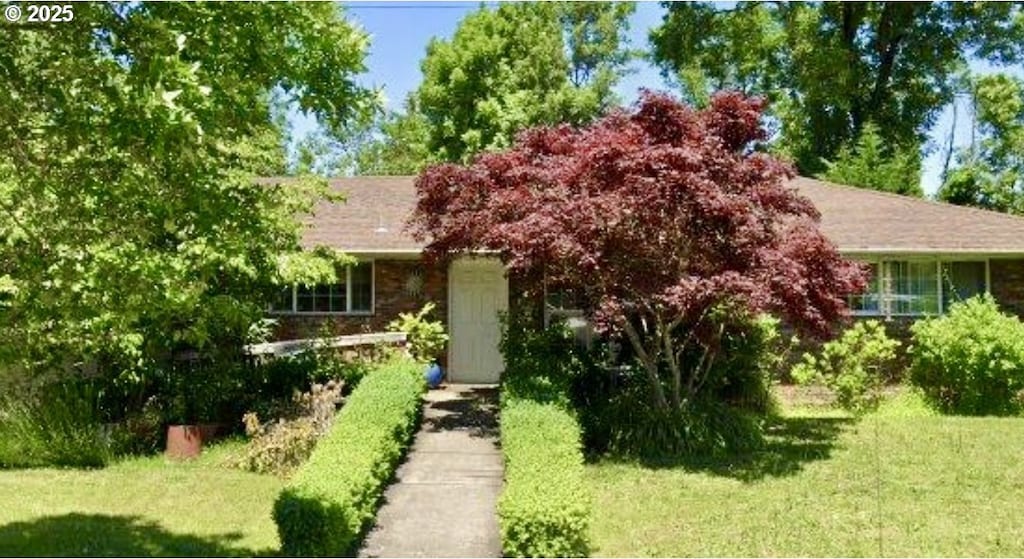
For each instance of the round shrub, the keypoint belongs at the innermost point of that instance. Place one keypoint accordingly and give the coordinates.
(970, 361)
(852, 366)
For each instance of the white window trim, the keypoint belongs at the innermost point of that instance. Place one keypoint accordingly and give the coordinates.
(348, 297)
(938, 260)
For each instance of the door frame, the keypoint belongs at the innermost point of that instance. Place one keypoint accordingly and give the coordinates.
(472, 262)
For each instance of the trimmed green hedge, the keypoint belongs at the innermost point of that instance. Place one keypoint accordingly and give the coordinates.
(545, 508)
(333, 497)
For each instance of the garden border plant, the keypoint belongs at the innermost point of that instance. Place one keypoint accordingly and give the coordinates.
(332, 499)
(545, 507)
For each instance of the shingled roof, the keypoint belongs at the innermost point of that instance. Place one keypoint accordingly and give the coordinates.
(857, 220)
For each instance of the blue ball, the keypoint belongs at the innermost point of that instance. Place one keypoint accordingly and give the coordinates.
(434, 375)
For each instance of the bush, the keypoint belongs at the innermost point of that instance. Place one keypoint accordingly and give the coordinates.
(426, 338)
(544, 509)
(332, 498)
(853, 367)
(701, 429)
(57, 427)
(724, 416)
(970, 361)
(282, 446)
(540, 365)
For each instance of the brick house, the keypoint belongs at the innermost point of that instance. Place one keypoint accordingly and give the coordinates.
(924, 256)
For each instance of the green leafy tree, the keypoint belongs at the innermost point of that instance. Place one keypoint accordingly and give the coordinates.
(830, 68)
(519, 65)
(396, 144)
(132, 225)
(870, 163)
(990, 171)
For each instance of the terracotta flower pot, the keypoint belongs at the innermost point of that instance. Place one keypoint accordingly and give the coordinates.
(184, 441)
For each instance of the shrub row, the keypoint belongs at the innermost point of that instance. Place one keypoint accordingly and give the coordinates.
(545, 508)
(333, 497)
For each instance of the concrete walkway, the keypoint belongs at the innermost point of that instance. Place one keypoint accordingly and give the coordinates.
(443, 501)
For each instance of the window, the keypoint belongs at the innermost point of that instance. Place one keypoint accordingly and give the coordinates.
(919, 287)
(352, 295)
(913, 288)
(961, 280)
(870, 302)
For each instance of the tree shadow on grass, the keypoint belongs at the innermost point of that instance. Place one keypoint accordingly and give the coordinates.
(100, 535)
(790, 444)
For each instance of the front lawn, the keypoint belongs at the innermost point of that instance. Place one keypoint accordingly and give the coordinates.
(139, 507)
(896, 483)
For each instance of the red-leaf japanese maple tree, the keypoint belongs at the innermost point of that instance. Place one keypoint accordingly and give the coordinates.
(663, 217)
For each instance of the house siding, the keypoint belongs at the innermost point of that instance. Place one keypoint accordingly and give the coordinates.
(1007, 279)
(391, 297)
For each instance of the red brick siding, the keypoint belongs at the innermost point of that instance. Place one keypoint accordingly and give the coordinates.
(1007, 277)
(390, 298)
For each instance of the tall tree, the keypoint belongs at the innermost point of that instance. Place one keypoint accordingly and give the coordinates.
(519, 65)
(131, 223)
(395, 144)
(989, 172)
(830, 68)
(870, 163)
(664, 220)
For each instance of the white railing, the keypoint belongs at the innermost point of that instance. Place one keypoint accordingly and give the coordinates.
(292, 347)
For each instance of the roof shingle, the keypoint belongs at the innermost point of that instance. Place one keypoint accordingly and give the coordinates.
(857, 220)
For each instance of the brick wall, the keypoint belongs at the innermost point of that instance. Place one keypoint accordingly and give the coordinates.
(1007, 277)
(390, 298)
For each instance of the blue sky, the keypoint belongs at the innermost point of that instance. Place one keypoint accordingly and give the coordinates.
(399, 33)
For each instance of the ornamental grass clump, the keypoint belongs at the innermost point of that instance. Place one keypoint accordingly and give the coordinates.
(282, 445)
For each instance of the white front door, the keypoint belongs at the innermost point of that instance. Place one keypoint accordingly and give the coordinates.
(478, 291)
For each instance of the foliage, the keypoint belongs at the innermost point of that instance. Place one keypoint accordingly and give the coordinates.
(665, 222)
(830, 68)
(540, 364)
(57, 427)
(990, 171)
(283, 445)
(426, 338)
(725, 417)
(132, 225)
(394, 144)
(870, 164)
(519, 65)
(333, 496)
(544, 509)
(854, 366)
(971, 360)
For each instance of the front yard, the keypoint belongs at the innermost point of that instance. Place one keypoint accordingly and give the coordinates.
(140, 507)
(900, 482)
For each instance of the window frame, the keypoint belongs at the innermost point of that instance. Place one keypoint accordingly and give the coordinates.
(884, 267)
(294, 310)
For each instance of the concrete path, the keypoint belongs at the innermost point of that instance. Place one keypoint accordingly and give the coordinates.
(443, 501)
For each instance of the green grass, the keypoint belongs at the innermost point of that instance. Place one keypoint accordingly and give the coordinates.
(900, 482)
(140, 507)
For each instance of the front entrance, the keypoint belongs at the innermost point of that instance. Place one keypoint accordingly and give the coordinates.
(478, 291)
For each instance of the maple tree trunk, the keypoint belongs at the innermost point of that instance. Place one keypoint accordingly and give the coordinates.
(650, 362)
